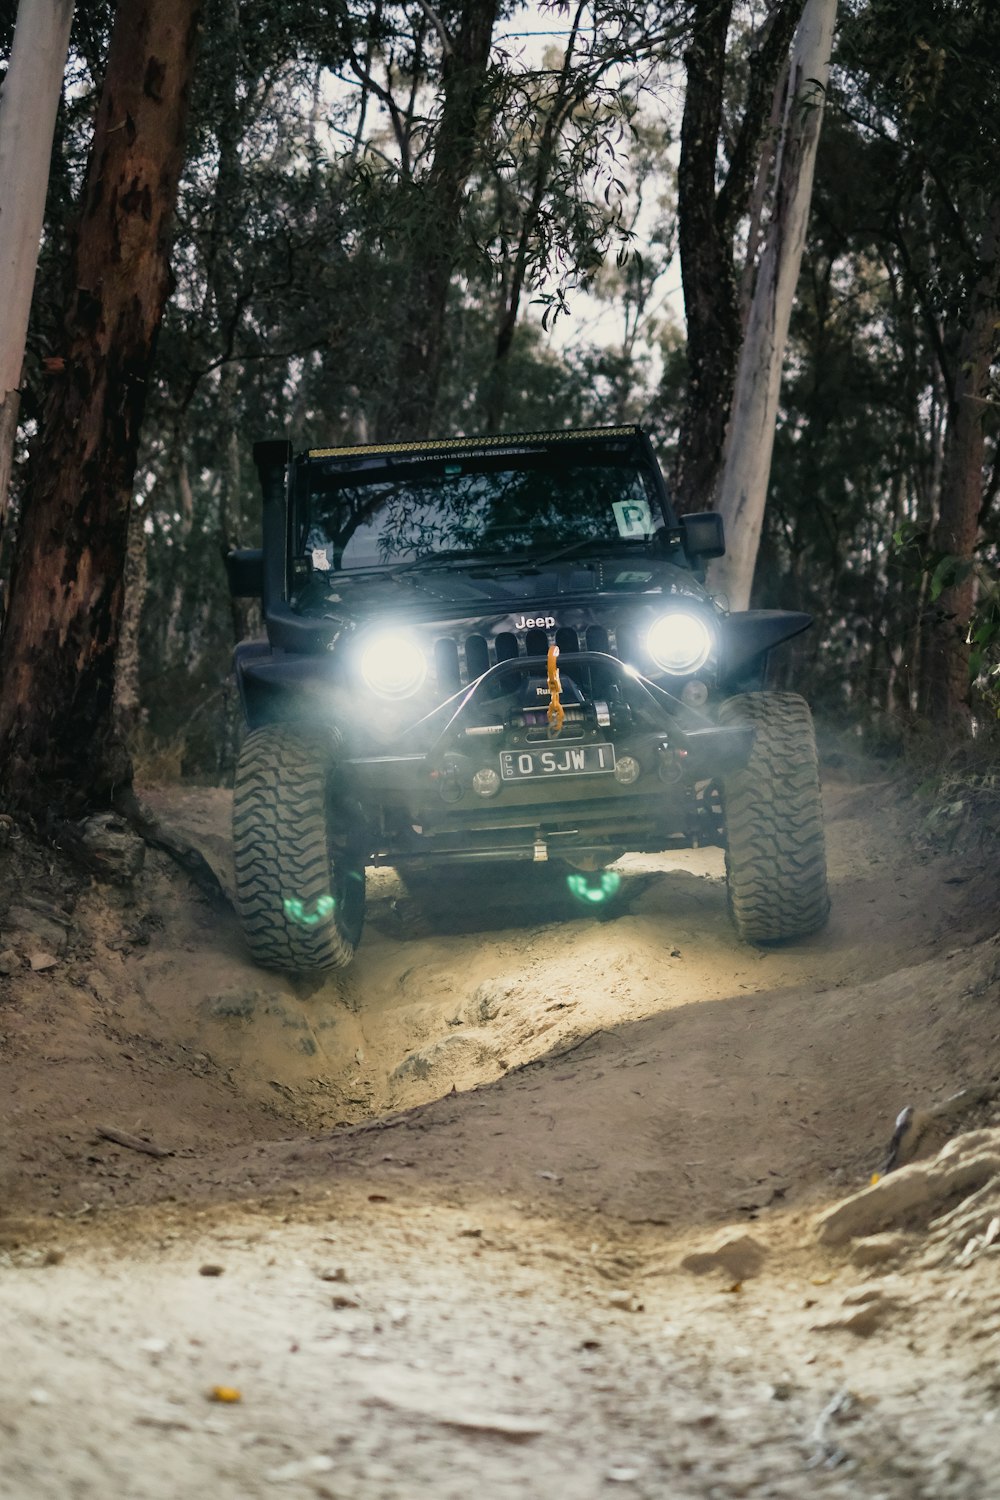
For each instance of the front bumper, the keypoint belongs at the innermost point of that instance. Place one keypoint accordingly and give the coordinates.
(429, 805)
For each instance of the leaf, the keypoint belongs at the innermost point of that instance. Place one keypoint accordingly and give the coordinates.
(949, 573)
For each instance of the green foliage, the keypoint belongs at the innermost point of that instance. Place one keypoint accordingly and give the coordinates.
(304, 206)
(942, 571)
(892, 256)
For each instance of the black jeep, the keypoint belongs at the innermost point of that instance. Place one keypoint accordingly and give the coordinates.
(501, 648)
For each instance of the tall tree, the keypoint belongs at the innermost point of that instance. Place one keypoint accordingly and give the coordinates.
(921, 75)
(718, 166)
(438, 210)
(58, 751)
(29, 99)
(750, 436)
(944, 676)
(561, 134)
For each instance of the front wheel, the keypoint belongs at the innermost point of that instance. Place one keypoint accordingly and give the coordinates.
(300, 873)
(775, 846)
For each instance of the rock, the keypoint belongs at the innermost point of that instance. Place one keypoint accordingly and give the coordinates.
(732, 1251)
(627, 1300)
(622, 1473)
(450, 1052)
(8, 831)
(914, 1193)
(41, 961)
(921, 1132)
(154, 1346)
(111, 848)
(41, 922)
(485, 1003)
(300, 1468)
(100, 985)
(877, 1249)
(451, 1403)
(863, 1312)
(10, 963)
(860, 1296)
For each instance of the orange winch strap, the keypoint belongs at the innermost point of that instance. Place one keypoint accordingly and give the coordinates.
(556, 713)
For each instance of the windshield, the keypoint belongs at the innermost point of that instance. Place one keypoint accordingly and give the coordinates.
(429, 509)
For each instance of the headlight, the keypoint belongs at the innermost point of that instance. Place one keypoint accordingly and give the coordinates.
(679, 643)
(392, 665)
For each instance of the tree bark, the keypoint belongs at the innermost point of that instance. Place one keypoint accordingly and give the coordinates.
(59, 755)
(707, 218)
(128, 700)
(708, 278)
(750, 439)
(29, 100)
(944, 674)
(435, 243)
(10, 407)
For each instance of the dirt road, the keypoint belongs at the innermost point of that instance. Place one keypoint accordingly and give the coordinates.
(528, 1201)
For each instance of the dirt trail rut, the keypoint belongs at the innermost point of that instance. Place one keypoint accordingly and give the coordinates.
(465, 1199)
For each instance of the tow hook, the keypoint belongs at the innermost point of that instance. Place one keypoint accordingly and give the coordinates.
(671, 763)
(541, 849)
(449, 782)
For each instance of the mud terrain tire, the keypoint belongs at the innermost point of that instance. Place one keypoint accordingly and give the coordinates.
(300, 874)
(775, 847)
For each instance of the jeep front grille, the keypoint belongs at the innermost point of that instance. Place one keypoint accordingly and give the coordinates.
(459, 660)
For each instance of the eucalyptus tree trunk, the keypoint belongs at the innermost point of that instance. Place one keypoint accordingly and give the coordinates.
(708, 276)
(944, 668)
(29, 100)
(128, 699)
(59, 754)
(750, 437)
(708, 216)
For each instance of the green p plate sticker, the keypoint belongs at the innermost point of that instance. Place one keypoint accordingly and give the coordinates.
(633, 517)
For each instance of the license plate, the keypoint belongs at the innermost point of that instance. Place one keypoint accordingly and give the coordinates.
(561, 760)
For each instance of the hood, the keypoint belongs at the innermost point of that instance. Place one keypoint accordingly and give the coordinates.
(449, 590)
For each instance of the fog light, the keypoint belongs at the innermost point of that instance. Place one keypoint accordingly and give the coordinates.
(695, 693)
(627, 770)
(486, 783)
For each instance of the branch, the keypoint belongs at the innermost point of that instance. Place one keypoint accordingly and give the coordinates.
(765, 68)
(380, 92)
(447, 45)
(411, 103)
(924, 163)
(236, 357)
(930, 320)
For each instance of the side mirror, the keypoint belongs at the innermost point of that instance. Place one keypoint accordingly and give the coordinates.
(704, 536)
(245, 571)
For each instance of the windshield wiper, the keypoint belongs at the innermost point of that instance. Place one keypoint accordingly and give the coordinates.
(450, 554)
